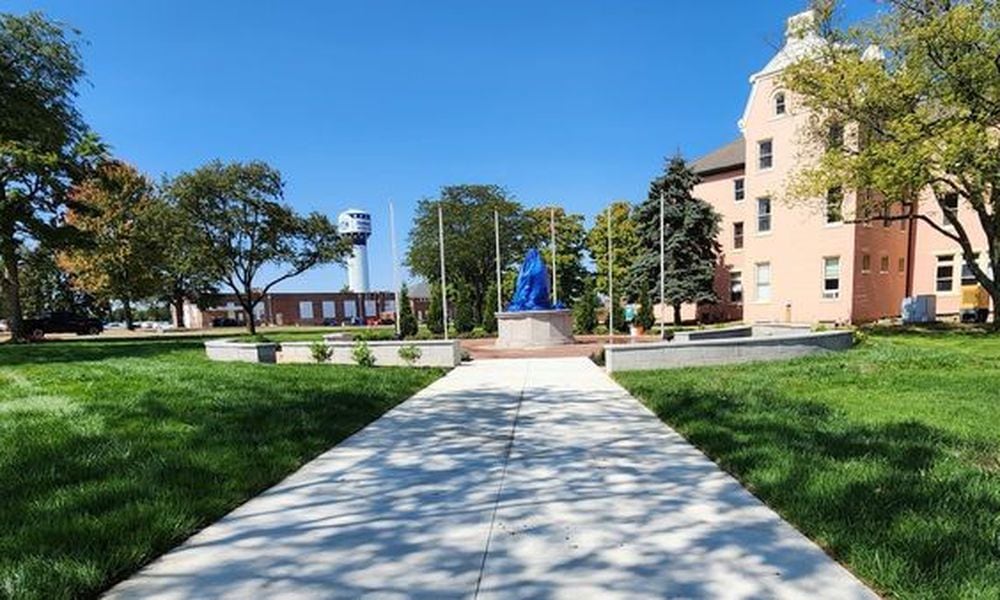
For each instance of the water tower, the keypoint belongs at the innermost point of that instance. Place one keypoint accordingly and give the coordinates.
(357, 225)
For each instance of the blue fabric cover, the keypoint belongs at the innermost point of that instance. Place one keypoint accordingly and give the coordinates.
(532, 291)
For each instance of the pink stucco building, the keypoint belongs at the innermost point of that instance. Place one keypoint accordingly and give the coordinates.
(801, 262)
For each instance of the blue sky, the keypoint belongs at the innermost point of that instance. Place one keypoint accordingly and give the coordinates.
(572, 102)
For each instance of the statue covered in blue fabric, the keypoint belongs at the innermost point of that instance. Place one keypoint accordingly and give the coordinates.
(532, 291)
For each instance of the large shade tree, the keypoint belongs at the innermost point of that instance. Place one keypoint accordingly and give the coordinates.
(237, 210)
(571, 247)
(625, 246)
(116, 208)
(44, 143)
(691, 248)
(468, 238)
(917, 93)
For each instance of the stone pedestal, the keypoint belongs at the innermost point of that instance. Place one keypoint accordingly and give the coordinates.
(534, 328)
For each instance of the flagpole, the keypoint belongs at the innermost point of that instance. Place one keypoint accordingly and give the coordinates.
(611, 287)
(552, 232)
(444, 280)
(395, 265)
(663, 306)
(496, 239)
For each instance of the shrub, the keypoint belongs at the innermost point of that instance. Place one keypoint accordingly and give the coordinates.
(490, 310)
(644, 318)
(465, 319)
(585, 311)
(362, 354)
(407, 321)
(598, 357)
(321, 352)
(860, 337)
(601, 330)
(435, 313)
(410, 354)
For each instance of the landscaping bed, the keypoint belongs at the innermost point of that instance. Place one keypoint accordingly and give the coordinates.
(887, 455)
(112, 452)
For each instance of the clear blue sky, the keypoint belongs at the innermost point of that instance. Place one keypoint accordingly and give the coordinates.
(573, 102)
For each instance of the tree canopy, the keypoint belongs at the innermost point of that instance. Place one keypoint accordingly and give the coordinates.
(237, 211)
(691, 246)
(44, 143)
(571, 246)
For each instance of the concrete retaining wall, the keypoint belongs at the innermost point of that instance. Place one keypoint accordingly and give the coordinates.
(672, 355)
(433, 353)
(231, 351)
(695, 335)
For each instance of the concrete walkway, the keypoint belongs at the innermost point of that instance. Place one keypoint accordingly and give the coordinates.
(533, 478)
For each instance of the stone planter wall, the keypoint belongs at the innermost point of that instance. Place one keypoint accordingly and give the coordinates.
(233, 351)
(433, 353)
(671, 355)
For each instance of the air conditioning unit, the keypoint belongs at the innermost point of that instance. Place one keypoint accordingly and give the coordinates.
(919, 309)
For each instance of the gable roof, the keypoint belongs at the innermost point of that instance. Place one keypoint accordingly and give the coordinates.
(730, 156)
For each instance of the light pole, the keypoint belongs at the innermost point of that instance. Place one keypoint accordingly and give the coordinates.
(663, 305)
(444, 279)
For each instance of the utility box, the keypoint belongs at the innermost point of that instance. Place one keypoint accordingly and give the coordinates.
(919, 309)
(975, 306)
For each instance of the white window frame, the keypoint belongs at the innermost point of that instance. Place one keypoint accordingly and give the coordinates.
(735, 281)
(834, 293)
(350, 308)
(742, 237)
(883, 264)
(305, 309)
(780, 102)
(769, 216)
(866, 264)
(757, 281)
(944, 261)
(329, 309)
(769, 155)
(739, 189)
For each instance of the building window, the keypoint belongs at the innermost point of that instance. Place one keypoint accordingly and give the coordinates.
(329, 311)
(738, 235)
(902, 264)
(835, 205)
(762, 280)
(835, 137)
(945, 274)
(968, 277)
(735, 286)
(739, 189)
(831, 277)
(949, 204)
(305, 310)
(883, 265)
(866, 263)
(763, 215)
(371, 310)
(765, 154)
(779, 103)
(350, 309)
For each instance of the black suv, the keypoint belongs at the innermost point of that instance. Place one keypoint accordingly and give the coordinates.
(62, 322)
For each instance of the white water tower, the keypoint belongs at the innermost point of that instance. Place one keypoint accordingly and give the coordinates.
(356, 224)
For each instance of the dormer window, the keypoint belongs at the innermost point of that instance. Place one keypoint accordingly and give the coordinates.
(779, 104)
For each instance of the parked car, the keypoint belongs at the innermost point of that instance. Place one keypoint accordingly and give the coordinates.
(225, 322)
(62, 322)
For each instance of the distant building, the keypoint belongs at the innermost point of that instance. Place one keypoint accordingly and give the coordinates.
(308, 308)
(806, 263)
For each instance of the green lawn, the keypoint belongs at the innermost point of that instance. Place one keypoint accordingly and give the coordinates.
(887, 455)
(112, 452)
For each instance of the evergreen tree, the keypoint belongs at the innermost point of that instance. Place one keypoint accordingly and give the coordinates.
(644, 318)
(585, 309)
(435, 313)
(691, 245)
(407, 320)
(490, 310)
(465, 320)
(619, 313)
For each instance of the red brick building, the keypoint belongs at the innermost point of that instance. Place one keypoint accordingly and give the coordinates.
(307, 308)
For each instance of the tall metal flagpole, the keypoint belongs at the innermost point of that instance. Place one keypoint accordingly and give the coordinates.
(663, 306)
(395, 264)
(552, 232)
(611, 286)
(496, 239)
(444, 280)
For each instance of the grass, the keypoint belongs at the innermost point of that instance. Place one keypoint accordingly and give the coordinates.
(112, 452)
(887, 455)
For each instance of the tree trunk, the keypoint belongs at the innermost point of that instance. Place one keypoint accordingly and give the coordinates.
(178, 303)
(677, 313)
(11, 286)
(127, 310)
(251, 321)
